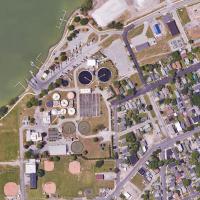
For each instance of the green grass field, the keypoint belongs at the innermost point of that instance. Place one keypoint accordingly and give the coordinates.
(8, 174)
(28, 28)
(68, 185)
(9, 142)
(182, 12)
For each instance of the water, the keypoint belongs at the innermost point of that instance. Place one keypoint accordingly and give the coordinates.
(27, 29)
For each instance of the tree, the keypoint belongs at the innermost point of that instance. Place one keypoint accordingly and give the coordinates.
(84, 21)
(176, 56)
(40, 145)
(149, 107)
(40, 172)
(56, 158)
(87, 5)
(43, 93)
(63, 58)
(99, 163)
(95, 139)
(195, 99)
(186, 182)
(71, 27)
(77, 19)
(13, 101)
(32, 120)
(28, 154)
(3, 111)
(194, 157)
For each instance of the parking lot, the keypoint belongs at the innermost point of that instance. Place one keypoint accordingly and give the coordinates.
(89, 105)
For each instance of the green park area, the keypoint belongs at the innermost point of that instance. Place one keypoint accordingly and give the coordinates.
(69, 185)
(8, 174)
(183, 14)
(28, 29)
(9, 136)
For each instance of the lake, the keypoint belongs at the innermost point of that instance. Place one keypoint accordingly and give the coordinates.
(27, 29)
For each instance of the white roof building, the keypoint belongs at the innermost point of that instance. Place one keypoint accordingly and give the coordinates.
(46, 118)
(56, 149)
(30, 167)
(85, 91)
(178, 126)
(91, 62)
(32, 135)
(109, 12)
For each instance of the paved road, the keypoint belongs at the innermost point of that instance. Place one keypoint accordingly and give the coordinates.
(128, 46)
(163, 178)
(156, 84)
(163, 145)
(21, 160)
(116, 141)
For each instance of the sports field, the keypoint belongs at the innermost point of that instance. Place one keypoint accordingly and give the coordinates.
(28, 28)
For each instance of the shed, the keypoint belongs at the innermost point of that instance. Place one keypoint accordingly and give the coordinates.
(99, 176)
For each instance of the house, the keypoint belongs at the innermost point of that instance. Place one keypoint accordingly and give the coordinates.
(32, 135)
(56, 149)
(133, 159)
(178, 127)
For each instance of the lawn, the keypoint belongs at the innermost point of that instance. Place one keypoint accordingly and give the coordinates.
(183, 14)
(8, 174)
(149, 33)
(68, 185)
(146, 98)
(107, 42)
(160, 49)
(9, 136)
(136, 79)
(109, 165)
(135, 31)
(138, 181)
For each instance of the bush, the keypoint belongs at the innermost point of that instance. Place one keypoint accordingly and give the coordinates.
(84, 21)
(99, 163)
(56, 158)
(77, 19)
(40, 172)
(3, 111)
(71, 27)
(28, 154)
(13, 101)
(87, 5)
(95, 139)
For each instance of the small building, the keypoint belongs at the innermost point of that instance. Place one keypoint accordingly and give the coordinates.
(178, 126)
(32, 135)
(141, 47)
(30, 166)
(91, 62)
(99, 176)
(196, 119)
(85, 91)
(56, 149)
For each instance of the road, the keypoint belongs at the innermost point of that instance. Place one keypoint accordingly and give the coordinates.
(21, 162)
(152, 86)
(116, 140)
(163, 145)
(163, 178)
